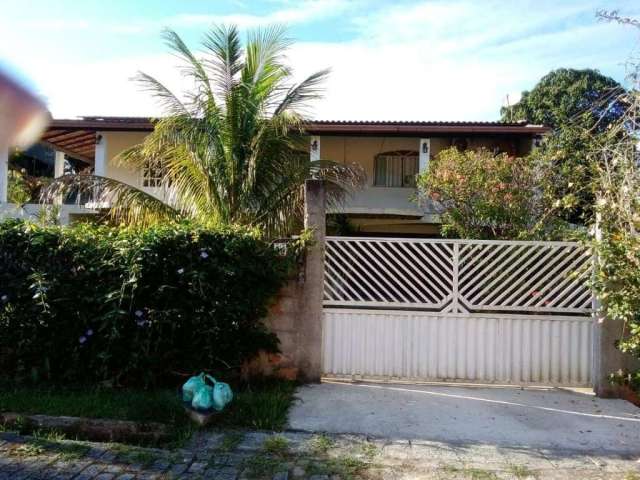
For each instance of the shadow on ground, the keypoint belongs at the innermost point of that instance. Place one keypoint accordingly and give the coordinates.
(556, 422)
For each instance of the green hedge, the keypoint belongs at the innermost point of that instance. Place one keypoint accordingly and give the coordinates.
(94, 304)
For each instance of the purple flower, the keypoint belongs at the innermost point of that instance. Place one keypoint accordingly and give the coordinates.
(4, 298)
(82, 339)
(204, 254)
(89, 332)
(140, 322)
(180, 271)
(139, 313)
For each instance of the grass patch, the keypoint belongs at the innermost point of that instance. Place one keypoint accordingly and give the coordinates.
(261, 406)
(50, 443)
(263, 465)
(470, 473)
(345, 466)
(134, 455)
(522, 471)
(139, 406)
(369, 450)
(480, 474)
(320, 444)
(161, 406)
(276, 445)
(230, 441)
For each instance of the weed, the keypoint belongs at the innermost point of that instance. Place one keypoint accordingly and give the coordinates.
(230, 441)
(522, 471)
(49, 435)
(129, 454)
(480, 474)
(369, 450)
(261, 465)
(346, 467)
(450, 469)
(276, 445)
(31, 449)
(470, 473)
(72, 451)
(320, 444)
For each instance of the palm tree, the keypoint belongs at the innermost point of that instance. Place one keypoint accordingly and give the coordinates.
(231, 151)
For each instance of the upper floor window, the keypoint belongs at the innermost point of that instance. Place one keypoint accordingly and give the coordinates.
(396, 169)
(152, 174)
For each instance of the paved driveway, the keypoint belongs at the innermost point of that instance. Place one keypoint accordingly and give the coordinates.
(502, 417)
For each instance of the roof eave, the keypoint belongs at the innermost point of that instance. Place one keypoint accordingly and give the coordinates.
(345, 129)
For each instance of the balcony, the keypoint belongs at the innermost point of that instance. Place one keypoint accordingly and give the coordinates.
(389, 201)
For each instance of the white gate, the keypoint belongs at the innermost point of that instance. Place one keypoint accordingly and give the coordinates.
(467, 310)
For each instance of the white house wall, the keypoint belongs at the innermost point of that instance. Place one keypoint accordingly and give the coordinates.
(116, 143)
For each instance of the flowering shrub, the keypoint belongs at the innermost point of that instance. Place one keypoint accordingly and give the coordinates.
(91, 304)
(484, 195)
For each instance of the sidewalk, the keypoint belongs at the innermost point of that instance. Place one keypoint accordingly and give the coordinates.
(296, 455)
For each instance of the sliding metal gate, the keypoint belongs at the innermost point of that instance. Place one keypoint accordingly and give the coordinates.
(464, 310)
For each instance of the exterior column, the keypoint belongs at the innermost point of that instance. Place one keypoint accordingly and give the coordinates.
(607, 358)
(309, 328)
(424, 152)
(58, 171)
(100, 165)
(4, 173)
(314, 148)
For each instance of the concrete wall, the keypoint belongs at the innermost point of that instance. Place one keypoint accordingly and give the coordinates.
(296, 314)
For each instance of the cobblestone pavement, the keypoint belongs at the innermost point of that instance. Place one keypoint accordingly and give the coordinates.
(293, 455)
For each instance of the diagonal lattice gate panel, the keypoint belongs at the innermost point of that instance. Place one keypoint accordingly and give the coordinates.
(377, 272)
(540, 277)
(458, 275)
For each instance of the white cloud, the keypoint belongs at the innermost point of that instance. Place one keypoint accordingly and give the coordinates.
(302, 12)
(434, 60)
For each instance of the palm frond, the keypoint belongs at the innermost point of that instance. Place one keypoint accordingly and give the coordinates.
(298, 96)
(225, 62)
(125, 203)
(166, 98)
(193, 67)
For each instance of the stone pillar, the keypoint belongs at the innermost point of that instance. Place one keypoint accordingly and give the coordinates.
(309, 324)
(607, 359)
(4, 173)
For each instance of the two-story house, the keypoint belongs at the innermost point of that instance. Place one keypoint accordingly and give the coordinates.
(390, 152)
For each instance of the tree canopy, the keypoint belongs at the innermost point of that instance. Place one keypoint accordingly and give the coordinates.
(569, 97)
(580, 105)
(488, 196)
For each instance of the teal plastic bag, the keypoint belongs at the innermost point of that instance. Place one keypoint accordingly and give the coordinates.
(222, 395)
(191, 386)
(206, 397)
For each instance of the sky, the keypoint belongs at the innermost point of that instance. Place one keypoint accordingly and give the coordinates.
(389, 60)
